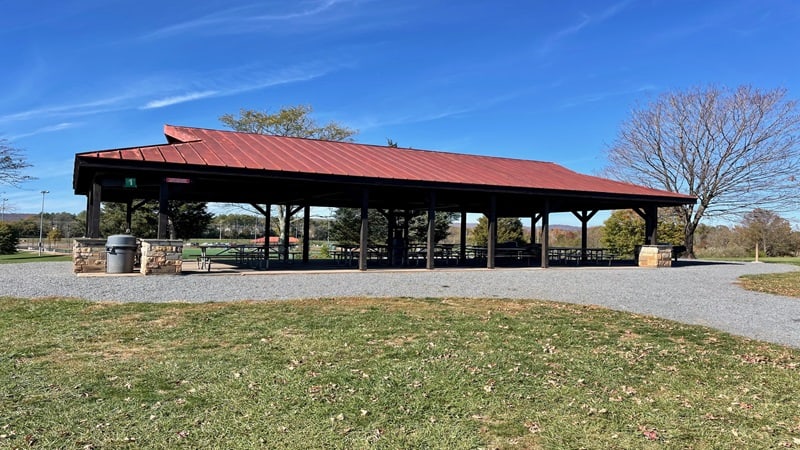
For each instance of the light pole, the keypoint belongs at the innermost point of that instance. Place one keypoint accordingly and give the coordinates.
(3, 210)
(41, 222)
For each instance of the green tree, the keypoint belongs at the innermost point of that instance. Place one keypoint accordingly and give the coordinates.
(144, 223)
(187, 219)
(719, 241)
(293, 121)
(418, 226)
(622, 232)
(769, 231)
(346, 226)
(27, 227)
(54, 236)
(509, 229)
(730, 148)
(8, 239)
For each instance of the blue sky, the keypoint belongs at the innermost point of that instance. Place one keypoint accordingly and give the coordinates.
(526, 79)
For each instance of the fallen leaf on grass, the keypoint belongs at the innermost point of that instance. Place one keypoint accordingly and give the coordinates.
(649, 433)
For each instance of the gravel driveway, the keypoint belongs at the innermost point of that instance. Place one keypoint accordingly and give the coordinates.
(698, 293)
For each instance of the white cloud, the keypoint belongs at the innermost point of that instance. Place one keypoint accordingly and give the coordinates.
(42, 130)
(174, 100)
(586, 20)
(241, 20)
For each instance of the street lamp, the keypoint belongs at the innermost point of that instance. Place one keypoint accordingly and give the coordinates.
(3, 210)
(41, 222)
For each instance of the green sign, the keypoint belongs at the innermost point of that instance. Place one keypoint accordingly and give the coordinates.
(130, 182)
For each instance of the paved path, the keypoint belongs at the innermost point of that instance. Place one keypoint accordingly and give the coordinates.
(700, 293)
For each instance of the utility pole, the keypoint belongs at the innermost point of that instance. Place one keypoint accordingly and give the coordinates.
(3, 210)
(41, 222)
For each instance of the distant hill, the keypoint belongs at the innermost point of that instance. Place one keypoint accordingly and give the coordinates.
(16, 217)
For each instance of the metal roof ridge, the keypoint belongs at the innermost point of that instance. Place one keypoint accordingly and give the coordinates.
(386, 147)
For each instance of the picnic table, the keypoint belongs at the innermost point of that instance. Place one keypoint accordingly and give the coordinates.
(241, 254)
(576, 255)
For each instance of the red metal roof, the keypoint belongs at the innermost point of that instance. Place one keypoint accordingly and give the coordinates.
(214, 148)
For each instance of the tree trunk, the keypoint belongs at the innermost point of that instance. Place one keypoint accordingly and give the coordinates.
(689, 239)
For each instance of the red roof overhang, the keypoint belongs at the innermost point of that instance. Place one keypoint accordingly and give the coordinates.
(238, 167)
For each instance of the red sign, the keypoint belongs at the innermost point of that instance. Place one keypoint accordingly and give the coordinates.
(178, 180)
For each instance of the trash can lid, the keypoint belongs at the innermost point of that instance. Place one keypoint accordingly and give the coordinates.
(121, 240)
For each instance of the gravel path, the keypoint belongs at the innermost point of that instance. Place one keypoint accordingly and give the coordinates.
(702, 293)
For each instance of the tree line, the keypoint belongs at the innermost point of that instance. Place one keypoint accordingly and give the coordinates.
(760, 229)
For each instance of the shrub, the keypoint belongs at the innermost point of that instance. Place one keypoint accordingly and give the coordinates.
(8, 239)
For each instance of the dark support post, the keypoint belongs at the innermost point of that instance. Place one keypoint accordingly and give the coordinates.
(650, 216)
(462, 253)
(266, 212)
(534, 220)
(129, 215)
(651, 225)
(431, 230)
(362, 251)
(287, 228)
(306, 229)
(267, 219)
(163, 211)
(584, 217)
(492, 241)
(546, 235)
(391, 222)
(93, 211)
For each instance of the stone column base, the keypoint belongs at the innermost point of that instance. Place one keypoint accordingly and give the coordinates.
(89, 255)
(655, 256)
(161, 257)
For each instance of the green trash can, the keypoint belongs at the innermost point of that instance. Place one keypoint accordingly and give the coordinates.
(120, 253)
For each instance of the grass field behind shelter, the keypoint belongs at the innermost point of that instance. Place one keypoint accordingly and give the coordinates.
(383, 373)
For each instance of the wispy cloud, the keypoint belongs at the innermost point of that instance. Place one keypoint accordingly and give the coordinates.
(235, 83)
(42, 130)
(603, 95)
(585, 21)
(440, 112)
(74, 109)
(242, 20)
(174, 100)
(164, 91)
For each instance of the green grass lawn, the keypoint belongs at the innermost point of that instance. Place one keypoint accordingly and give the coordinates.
(23, 257)
(388, 373)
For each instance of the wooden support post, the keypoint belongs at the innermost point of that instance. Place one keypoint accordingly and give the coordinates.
(93, 211)
(306, 229)
(163, 211)
(492, 238)
(546, 235)
(364, 241)
(650, 216)
(584, 217)
(287, 229)
(431, 253)
(462, 251)
(267, 226)
(266, 212)
(391, 242)
(534, 220)
(129, 215)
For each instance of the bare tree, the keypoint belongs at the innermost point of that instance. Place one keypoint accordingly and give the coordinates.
(733, 149)
(11, 164)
